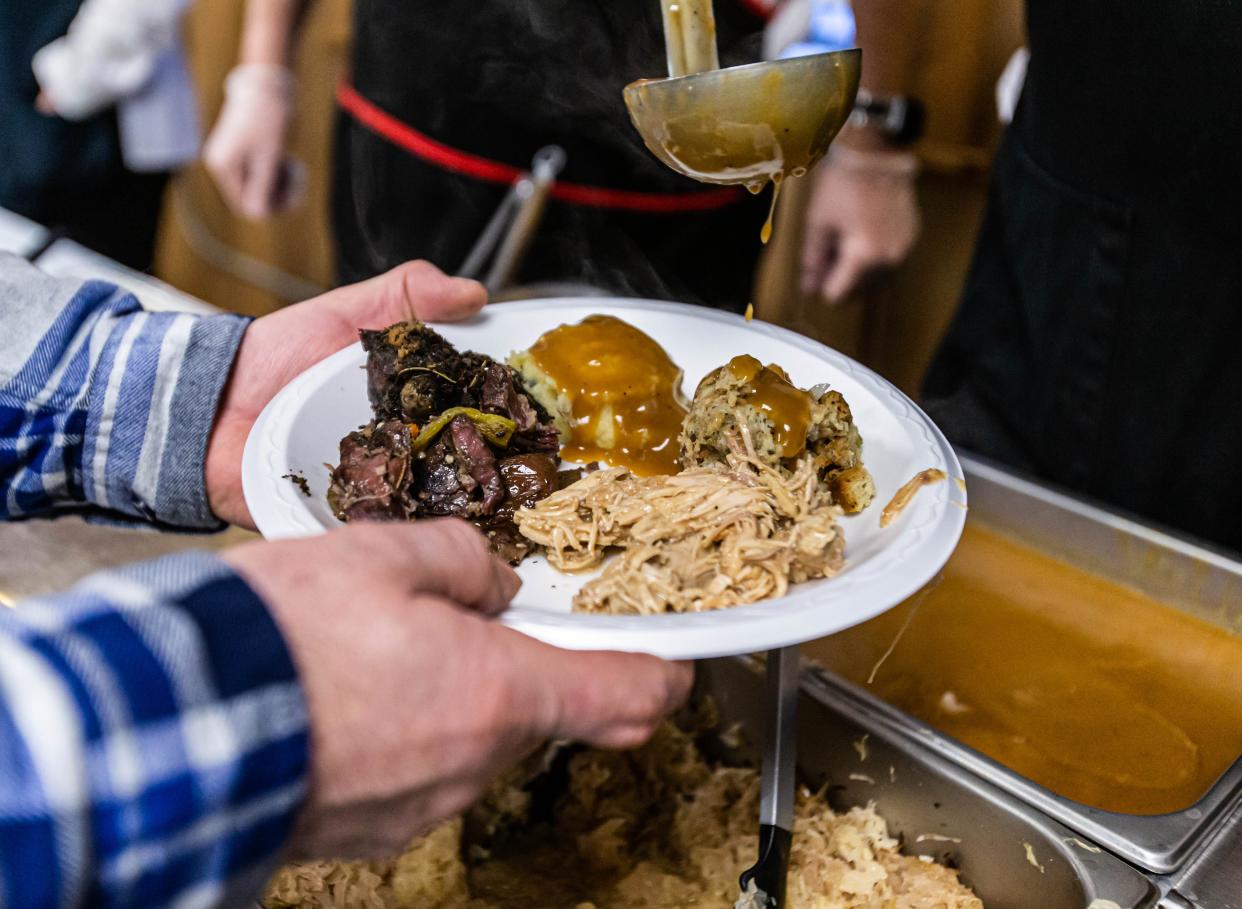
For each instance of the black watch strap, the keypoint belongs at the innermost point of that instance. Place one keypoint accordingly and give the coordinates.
(898, 118)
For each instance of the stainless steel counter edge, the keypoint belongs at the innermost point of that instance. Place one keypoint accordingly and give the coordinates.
(1212, 878)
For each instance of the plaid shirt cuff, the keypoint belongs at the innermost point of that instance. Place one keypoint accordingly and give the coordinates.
(103, 404)
(153, 741)
(191, 378)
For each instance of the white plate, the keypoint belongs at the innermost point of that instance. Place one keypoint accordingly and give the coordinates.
(301, 427)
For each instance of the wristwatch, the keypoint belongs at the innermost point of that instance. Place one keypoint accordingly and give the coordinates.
(897, 118)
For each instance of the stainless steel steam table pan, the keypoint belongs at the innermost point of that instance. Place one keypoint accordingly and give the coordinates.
(1010, 854)
(1181, 574)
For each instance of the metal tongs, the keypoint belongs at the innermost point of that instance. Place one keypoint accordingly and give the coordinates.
(776, 799)
(512, 227)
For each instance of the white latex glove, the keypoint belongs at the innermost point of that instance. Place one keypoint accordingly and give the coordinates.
(863, 219)
(247, 152)
(110, 51)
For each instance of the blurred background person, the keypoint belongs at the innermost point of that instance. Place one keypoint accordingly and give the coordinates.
(96, 110)
(1096, 341)
(444, 106)
(862, 218)
(219, 253)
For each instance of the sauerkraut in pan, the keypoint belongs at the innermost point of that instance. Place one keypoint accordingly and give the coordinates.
(658, 828)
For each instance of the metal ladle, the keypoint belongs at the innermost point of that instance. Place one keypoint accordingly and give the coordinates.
(745, 124)
(763, 884)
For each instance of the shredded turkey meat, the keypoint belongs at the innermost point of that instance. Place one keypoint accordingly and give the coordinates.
(906, 494)
(707, 538)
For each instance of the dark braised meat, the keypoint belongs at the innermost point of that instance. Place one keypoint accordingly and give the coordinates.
(453, 484)
(458, 465)
(412, 373)
(440, 490)
(527, 478)
(413, 376)
(504, 539)
(373, 480)
(474, 368)
(501, 395)
(476, 464)
(543, 439)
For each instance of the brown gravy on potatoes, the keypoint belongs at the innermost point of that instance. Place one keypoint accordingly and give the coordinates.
(1089, 689)
(616, 380)
(786, 405)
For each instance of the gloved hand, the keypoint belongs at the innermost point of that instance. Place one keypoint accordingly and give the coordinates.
(247, 152)
(863, 218)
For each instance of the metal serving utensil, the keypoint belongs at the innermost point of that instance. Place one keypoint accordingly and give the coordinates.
(509, 232)
(776, 799)
(746, 124)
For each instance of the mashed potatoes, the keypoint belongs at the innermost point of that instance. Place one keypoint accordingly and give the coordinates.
(614, 393)
(659, 828)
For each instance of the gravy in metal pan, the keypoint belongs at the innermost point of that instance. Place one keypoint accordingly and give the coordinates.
(1093, 691)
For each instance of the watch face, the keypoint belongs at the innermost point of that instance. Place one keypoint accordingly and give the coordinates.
(897, 118)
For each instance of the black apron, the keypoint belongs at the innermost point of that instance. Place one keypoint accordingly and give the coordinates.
(500, 79)
(67, 176)
(1097, 342)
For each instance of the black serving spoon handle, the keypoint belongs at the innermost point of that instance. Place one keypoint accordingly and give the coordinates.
(776, 800)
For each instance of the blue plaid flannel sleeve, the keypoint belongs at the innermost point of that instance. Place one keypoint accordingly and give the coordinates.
(153, 742)
(103, 405)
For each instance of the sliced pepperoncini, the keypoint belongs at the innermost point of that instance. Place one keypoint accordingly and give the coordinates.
(496, 429)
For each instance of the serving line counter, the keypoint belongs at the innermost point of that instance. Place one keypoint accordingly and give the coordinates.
(20, 236)
(1020, 845)
(67, 259)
